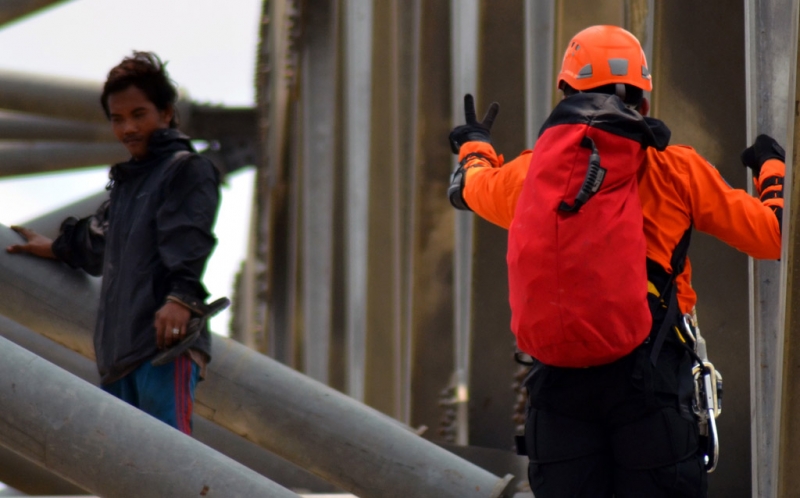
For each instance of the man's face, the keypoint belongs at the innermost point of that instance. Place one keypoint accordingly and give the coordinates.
(134, 118)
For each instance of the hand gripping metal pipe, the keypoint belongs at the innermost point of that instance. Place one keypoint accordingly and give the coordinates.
(322, 430)
(103, 444)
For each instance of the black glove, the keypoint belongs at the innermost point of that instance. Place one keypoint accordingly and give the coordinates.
(473, 131)
(763, 149)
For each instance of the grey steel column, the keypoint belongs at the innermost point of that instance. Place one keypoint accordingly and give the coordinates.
(381, 382)
(105, 445)
(319, 102)
(23, 158)
(492, 369)
(409, 22)
(357, 102)
(21, 126)
(540, 32)
(11, 10)
(430, 260)
(640, 20)
(465, 32)
(371, 455)
(575, 15)
(771, 49)
(789, 457)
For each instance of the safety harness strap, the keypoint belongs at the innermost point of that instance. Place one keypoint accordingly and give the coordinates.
(669, 291)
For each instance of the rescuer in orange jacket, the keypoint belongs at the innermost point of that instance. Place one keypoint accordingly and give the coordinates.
(625, 429)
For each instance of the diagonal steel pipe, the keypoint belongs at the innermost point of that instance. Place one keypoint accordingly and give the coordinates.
(104, 445)
(320, 429)
(23, 158)
(22, 126)
(12, 10)
(248, 454)
(58, 97)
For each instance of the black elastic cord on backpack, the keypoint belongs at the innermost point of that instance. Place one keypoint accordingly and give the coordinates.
(591, 184)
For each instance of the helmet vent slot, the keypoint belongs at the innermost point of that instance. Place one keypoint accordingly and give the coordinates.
(619, 67)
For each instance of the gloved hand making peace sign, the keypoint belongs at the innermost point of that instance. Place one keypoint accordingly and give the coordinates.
(473, 130)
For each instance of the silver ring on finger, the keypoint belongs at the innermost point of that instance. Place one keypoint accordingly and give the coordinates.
(176, 331)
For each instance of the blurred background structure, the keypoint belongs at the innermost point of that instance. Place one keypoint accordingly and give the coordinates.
(358, 273)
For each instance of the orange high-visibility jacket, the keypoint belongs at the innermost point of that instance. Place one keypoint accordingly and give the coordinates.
(677, 188)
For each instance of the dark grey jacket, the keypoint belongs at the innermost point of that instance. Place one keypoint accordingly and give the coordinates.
(150, 240)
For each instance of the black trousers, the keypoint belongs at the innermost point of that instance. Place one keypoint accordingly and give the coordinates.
(623, 430)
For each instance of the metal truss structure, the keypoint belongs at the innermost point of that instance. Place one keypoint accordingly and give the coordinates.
(359, 274)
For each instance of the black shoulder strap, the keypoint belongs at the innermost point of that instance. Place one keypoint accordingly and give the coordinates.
(670, 292)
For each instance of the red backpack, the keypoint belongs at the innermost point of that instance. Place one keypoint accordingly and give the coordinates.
(576, 247)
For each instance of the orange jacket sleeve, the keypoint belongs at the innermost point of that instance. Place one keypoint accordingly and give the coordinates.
(732, 215)
(491, 188)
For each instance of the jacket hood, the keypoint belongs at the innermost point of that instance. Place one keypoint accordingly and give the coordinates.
(609, 113)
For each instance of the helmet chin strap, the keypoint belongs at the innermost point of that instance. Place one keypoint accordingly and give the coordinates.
(619, 90)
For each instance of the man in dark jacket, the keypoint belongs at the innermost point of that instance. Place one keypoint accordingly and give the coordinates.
(150, 242)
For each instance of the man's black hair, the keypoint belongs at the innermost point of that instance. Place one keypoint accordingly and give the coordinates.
(145, 71)
(633, 94)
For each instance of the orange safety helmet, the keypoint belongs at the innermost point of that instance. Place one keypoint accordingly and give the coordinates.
(602, 55)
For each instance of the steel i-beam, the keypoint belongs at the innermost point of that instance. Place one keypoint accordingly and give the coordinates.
(285, 412)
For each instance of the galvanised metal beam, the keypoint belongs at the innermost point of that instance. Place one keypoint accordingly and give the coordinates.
(231, 445)
(408, 28)
(12, 10)
(357, 103)
(24, 158)
(256, 397)
(21, 126)
(771, 60)
(382, 382)
(491, 366)
(103, 444)
(430, 225)
(540, 33)
(789, 459)
(319, 90)
(465, 36)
